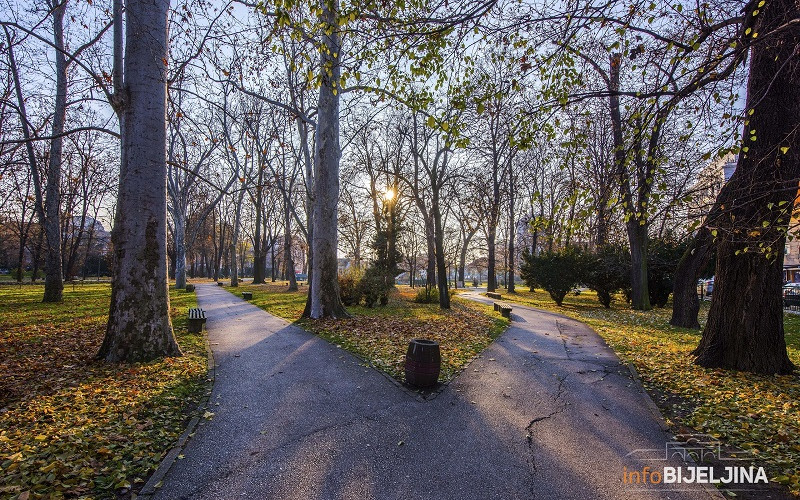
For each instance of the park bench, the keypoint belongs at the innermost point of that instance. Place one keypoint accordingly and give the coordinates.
(197, 318)
(494, 295)
(247, 295)
(504, 308)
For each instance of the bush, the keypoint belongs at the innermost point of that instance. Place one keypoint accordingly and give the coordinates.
(427, 295)
(374, 286)
(556, 272)
(350, 286)
(662, 261)
(431, 295)
(608, 271)
(663, 256)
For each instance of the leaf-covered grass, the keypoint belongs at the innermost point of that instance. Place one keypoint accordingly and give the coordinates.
(275, 299)
(71, 426)
(752, 412)
(381, 334)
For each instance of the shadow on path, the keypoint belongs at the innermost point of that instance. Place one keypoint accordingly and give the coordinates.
(547, 411)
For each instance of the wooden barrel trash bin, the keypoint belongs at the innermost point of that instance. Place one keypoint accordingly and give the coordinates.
(247, 295)
(189, 287)
(423, 362)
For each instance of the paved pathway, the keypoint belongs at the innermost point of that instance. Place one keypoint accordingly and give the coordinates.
(547, 412)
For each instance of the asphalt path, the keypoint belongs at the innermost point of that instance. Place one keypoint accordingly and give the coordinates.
(546, 412)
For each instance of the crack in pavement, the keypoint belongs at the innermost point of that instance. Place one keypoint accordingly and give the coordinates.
(559, 327)
(253, 455)
(529, 428)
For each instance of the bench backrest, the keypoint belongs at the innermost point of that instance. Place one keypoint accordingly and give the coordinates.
(196, 313)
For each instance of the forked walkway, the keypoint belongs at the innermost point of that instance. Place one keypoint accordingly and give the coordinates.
(546, 412)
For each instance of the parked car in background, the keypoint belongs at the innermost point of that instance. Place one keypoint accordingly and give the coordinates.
(705, 288)
(791, 295)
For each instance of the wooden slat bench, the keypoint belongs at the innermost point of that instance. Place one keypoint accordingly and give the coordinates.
(197, 318)
(494, 295)
(504, 308)
(247, 295)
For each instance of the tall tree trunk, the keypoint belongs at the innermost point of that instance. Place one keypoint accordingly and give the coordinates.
(430, 240)
(602, 213)
(685, 303)
(441, 265)
(273, 263)
(744, 330)
(637, 239)
(89, 242)
(36, 255)
(511, 263)
(324, 297)
(232, 250)
(54, 281)
(491, 270)
(139, 326)
(512, 233)
(462, 258)
(637, 224)
(75, 244)
(23, 239)
(259, 260)
(179, 231)
(287, 247)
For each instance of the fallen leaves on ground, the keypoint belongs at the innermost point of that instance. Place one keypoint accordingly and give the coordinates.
(382, 338)
(380, 335)
(75, 427)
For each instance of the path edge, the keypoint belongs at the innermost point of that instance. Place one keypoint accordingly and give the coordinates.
(154, 482)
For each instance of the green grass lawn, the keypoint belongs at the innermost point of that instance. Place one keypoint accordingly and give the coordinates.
(380, 335)
(71, 426)
(757, 413)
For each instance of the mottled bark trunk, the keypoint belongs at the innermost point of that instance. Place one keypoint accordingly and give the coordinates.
(179, 232)
(139, 326)
(324, 300)
(54, 281)
(745, 328)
